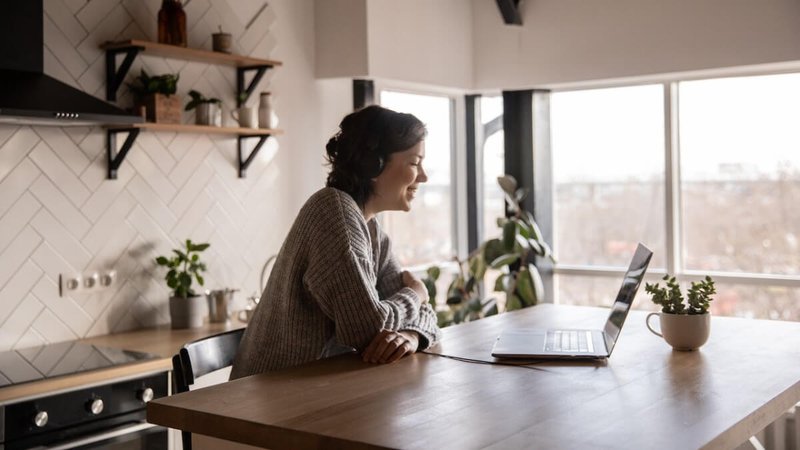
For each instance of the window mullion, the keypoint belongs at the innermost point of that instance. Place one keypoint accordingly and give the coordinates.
(672, 178)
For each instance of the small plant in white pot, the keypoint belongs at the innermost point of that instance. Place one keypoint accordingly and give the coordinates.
(685, 326)
(207, 109)
(187, 309)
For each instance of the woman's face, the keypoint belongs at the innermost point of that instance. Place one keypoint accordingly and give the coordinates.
(397, 185)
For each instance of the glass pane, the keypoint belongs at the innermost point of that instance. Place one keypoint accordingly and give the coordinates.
(740, 170)
(608, 171)
(425, 235)
(749, 301)
(493, 165)
(756, 302)
(586, 290)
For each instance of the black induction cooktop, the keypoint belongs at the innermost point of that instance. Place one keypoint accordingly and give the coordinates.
(59, 359)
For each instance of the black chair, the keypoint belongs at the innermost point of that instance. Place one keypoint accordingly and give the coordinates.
(201, 357)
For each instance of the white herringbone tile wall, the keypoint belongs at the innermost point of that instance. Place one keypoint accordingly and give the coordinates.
(58, 213)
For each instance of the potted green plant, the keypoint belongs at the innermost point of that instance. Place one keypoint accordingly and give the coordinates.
(208, 110)
(512, 255)
(187, 309)
(685, 323)
(156, 94)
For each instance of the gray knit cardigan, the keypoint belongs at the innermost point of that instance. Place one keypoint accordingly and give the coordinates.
(334, 286)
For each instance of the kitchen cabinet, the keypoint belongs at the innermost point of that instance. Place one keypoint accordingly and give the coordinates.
(245, 65)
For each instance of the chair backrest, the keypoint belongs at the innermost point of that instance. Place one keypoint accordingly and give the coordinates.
(200, 357)
(203, 356)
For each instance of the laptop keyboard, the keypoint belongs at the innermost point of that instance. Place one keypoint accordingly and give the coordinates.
(569, 341)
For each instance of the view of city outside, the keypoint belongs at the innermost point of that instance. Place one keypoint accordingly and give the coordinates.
(740, 171)
(608, 171)
(425, 236)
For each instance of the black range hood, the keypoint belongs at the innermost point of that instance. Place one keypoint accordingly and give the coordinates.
(27, 95)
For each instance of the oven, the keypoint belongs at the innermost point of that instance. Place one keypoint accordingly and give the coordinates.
(107, 415)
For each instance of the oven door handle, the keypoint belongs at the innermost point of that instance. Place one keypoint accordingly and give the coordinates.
(99, 437)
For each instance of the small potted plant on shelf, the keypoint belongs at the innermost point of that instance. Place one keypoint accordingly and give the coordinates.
(207, 110)
(156, 94)
(187, 309)
(684, 327)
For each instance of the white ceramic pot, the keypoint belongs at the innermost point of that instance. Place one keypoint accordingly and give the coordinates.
(684, 332)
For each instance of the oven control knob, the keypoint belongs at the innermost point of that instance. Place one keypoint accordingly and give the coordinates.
(95, 406)
(40, 419)
(145, 395)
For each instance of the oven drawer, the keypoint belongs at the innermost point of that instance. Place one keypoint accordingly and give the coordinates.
(79, 412)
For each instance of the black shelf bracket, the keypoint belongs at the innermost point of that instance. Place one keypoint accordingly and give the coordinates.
(115, 158)
(244, 163)
(115, 76)
(243, 93)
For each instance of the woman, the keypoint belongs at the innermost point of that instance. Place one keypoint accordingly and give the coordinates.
(336, 286)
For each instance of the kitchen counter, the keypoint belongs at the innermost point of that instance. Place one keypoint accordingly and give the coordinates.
(162, 341)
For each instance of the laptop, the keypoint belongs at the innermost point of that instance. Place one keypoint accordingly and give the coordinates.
(572, 344)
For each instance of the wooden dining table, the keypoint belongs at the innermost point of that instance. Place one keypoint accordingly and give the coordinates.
(456, 395)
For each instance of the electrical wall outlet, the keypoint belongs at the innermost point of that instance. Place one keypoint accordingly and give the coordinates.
(86, 283)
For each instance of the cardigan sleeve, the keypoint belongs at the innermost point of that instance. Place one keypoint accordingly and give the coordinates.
(340, 277)
(390, 280)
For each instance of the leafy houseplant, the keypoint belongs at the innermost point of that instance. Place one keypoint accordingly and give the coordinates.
(671, 299)
(512, 254)
(208, 109)
(155, 94)
(687, 326)
(187, 308)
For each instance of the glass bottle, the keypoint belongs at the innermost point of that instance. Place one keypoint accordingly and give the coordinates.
(266, 117)
(172, 23)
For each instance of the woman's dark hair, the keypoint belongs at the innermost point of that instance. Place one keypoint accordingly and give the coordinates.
(364, 143)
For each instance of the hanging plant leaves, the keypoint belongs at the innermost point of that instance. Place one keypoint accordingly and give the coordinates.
(490, 307)
(504, 260)
(513, 303)
(509, 234)
(525, 287)
(500, 284)
(492, 250)
(538, 285)
(507, 183)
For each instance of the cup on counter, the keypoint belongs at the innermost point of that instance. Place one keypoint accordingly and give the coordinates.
(246, 116)
(219, 304)
(246, 314)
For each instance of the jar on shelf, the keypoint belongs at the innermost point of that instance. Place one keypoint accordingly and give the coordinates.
(172, 23)
(266, 114)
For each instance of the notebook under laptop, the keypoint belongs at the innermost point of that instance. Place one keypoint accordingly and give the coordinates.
(553, 343)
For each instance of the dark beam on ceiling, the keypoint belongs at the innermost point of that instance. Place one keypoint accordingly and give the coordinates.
(509, 9)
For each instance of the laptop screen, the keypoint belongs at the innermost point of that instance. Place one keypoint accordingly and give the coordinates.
(630, 284)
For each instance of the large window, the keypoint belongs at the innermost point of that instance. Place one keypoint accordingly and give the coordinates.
(492, 157)
(608, 171)
(732, 152)
(426, 235)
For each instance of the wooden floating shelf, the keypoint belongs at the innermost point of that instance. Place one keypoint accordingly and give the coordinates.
(190, 54)
(203, 129)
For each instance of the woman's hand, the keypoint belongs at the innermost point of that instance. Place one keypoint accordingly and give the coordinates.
(389, 346)
(410, 281)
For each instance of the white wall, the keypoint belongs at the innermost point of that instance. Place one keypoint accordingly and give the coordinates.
(564, 41)
(58, 213)
(340, 28)
(421, 41)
